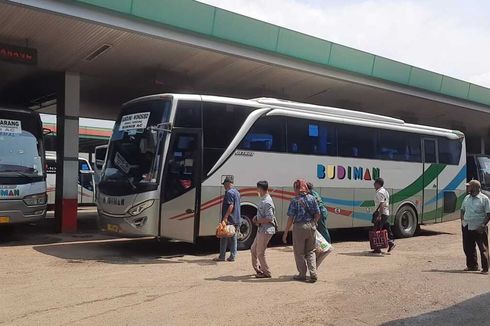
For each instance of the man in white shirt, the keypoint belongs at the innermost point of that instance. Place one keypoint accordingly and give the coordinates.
(382, 212)
(475, 214)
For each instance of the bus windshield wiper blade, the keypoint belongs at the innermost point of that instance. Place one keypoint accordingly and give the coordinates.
(22, 174)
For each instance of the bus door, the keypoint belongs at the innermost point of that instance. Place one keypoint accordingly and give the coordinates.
(181, 186)
(430, 210)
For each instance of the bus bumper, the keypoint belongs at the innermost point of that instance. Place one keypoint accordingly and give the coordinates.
(127, 226)
(17, 212)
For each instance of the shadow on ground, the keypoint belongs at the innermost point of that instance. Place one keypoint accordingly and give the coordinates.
(45, 231)
(90, 245)
(129, 251)
(474, 311)
(252, 279)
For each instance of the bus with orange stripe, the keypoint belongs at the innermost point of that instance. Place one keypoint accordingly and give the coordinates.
(169, 153)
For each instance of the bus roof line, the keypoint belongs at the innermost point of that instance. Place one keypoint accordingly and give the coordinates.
(326, 110)
(363, 123)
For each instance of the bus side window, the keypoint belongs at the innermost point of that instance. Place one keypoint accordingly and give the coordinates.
(311, 137)
(355, 141)
(188, 114)
(220, 123)
(449, 150)
(398, 146)
(267, 135)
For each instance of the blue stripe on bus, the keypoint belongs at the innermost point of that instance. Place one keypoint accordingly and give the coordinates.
(362, 216)
(342, 202)
(460, 177)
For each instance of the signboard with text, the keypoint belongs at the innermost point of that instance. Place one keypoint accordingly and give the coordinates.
(18, 54)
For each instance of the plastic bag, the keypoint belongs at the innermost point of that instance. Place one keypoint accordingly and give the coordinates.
(321, 245)
(225, 231)
(378, 239)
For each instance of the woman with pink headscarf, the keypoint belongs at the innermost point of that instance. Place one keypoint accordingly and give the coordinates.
(303, 216)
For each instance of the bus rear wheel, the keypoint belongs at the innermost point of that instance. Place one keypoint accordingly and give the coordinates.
(247, 232)
(405, 222)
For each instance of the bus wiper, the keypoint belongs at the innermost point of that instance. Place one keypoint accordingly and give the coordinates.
(22, 174)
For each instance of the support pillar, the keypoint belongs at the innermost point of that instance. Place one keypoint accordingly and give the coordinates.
(67, 115)
(482, 142)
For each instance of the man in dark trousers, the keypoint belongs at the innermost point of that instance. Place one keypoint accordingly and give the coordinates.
(475, 214)
(382, 212)
(230, 212)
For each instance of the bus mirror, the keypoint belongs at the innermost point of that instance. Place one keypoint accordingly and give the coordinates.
(47, 131)
(162, 127)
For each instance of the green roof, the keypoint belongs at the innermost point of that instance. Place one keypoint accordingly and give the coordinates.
(196, 17)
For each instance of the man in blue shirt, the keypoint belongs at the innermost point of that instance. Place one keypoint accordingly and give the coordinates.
(230, 212)
(303, 215)
(475, 215)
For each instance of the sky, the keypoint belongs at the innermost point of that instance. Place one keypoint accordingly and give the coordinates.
(451, 37)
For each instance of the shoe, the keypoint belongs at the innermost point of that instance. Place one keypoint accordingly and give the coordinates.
(231, 259)
(376, 251)
(299, 278)
(474, 269)
(484, 272)
(391, 246)
(262, 275)
(313, 279)
(218, 259)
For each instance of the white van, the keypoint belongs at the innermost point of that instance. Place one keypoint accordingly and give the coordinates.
(86, 182)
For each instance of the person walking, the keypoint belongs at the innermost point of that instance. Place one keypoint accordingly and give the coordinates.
(382, 213)
(475, 214)
(266, 223)
(322, 223)
(303, 216)
(230, 211)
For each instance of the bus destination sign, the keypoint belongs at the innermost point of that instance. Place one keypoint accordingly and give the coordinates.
(18, 54)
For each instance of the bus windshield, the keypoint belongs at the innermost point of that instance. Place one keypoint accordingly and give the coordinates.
(135, 149)
(20, 155)
(484, 163)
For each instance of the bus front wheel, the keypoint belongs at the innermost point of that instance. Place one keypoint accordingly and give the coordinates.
(405, 222)
(247, 232)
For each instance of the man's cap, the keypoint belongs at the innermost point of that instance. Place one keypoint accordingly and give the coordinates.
(475, 183)
(228, 180)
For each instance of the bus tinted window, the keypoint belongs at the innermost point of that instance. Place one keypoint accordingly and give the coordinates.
(311, 137)
(210, 156)
(430, 154)
(221, 123)
(398, 146)
(449, 150)
(188, 114)
(267, 134)
(355, 141)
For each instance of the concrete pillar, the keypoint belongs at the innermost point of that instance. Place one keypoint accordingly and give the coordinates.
(67, 115)
(482, 142)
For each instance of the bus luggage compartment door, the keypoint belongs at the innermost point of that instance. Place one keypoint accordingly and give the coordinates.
(431, 211)
(181, 187)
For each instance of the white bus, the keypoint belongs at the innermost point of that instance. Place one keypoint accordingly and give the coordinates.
(86, 183)
(22, 174)
(169, 154)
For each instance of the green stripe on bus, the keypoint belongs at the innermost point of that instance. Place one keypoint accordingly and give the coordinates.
(423, 181)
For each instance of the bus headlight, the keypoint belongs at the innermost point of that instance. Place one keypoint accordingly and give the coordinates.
(35, 200)
(138, 209)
